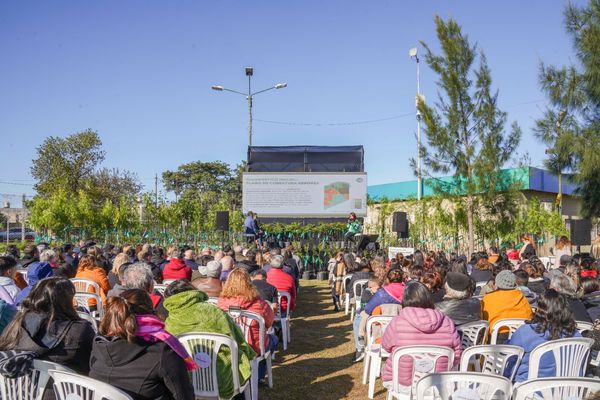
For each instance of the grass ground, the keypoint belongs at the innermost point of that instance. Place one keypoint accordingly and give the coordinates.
(318, 363)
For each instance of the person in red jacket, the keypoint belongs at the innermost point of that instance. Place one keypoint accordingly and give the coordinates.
(177, 268)
(283, 282)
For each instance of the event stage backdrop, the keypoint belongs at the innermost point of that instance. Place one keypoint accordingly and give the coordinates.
(305, 194)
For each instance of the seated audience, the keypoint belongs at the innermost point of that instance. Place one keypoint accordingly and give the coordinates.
(227, 263)
(189, 312)
(88, 269)
(189, 258)
(239, 292)
(283, 282)
(535, 269)
(136, 354)
(266, 291)
(458, 303)
(591, 297)
(113, 274)
(434, 283)
(209, 281)
(418, 323)
(36, 271)
(482, 270)
(139, 276)
(553, 319)
(564, 285)
(390, 293)
(522, 278)
(176, 268)
(120, 287)
(506, 302)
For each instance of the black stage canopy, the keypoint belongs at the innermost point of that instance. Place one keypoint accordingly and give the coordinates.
(306, 159)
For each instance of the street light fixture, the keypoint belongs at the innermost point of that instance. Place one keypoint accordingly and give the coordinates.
(413, 53)
(249, 72)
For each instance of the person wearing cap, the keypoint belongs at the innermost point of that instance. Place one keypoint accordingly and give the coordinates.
(209, 281)
(507, 301)
(36, 272)
(458, 303)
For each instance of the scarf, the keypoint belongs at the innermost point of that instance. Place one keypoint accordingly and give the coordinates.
(588, 273)
(152, 329)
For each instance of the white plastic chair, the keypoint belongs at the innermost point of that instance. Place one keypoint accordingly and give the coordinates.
(84, 286)
(345, 297)
(584, 326)
(245, 319)
(355, 307)
(463, 385)
(373, 351)
(85, 316)
(285, 321)
(71, 386)
(545, 261)
(160, 288)
(570, 355)
(83, 301)
(491, 359)
(511, 323)
(204, 349)
(167, 282)
(473, 333)
(30, 386)
(425, 360)
(556, 389)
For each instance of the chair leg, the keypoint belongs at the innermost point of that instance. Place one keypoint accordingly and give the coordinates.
(289, 331)
(366, 364)
(373, 374)
(247, 394)
(270, 371)
(347, 305)
(254, 380)
(284, 331)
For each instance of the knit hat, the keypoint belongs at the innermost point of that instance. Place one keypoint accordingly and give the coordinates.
(506, 280)
(212, 269)
(458, 281)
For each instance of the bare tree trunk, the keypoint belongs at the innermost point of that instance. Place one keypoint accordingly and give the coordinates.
(470, 233)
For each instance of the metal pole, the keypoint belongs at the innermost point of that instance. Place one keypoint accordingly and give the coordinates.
(419, 183)
(249, 112)
(560, 193)
(156, 190)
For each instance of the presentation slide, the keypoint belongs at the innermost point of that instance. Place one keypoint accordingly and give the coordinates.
(305, 194)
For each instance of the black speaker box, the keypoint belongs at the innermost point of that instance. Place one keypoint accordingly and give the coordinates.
(581, 232)
(400, 224)
(222, 222)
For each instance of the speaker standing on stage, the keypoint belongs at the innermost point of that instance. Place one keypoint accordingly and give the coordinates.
(353, 227)
(250, 228)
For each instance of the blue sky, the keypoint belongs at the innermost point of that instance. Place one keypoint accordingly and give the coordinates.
(140, 72)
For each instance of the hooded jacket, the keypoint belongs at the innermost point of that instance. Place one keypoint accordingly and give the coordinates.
(177, 269)
(36, 271)
(505, 304)
(528, 339)
(189, 312)
(389, 294)
(145, 370)
(591, 302)
(419, 326)
(258, 306)
(211, 286)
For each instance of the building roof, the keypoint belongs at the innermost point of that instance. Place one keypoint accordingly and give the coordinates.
(525, 178)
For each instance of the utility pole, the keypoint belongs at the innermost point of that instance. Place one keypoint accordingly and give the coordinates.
(156, 190)
(413, 54)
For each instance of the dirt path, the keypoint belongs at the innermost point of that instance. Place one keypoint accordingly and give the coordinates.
(318, 362)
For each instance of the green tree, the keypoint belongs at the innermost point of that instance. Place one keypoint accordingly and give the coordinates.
(559, 127)
(583, 24)
(66, 162)
(465, 131)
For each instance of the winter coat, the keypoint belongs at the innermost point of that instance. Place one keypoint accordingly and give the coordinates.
(481, 275)
(538, 285)
(211, 286)
(284, 283)
(258, 306)
(10, 286)
(177, 269)
(528, 339)
(461, 311)
(189, 312)
(99, 276)
(145, 370)
(113, 279)
(389, 294)
(529, 295)
(7, 313)
(357, 276)
(579, 310)
(191, 263)
(591, 302)
(418, 326)
(267, 291)
(505, 304)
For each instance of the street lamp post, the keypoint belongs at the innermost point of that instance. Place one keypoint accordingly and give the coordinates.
(249, 96)
(413, 54)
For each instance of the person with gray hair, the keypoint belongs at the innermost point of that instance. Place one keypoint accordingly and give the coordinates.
(139, 276)
(283, 282)
(209, 281)
(48, 256)
(565, 286)
(458, 302)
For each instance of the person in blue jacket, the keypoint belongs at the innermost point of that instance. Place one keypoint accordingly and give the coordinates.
(553, 319)
(390, 293)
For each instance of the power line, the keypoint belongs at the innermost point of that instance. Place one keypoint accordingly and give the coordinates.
(16, 183)
(371, 121)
